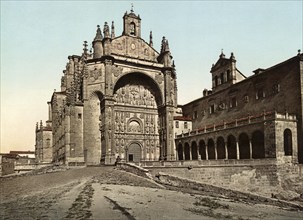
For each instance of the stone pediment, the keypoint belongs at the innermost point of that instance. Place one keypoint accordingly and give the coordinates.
(134, 47)
(220, 63)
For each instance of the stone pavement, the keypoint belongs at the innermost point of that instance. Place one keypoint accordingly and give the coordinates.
(107, 193)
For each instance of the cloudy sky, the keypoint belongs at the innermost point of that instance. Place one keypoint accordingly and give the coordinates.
(38, 36)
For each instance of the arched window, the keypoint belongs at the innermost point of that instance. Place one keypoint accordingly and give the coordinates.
(258, 150)
(244, 146)
(221, 148)
(186, 151)
(216, 80)
(194, 151)
(180, 152)
(211, 149)
(202, 151)
(231, 147)
(287, 142)
(132, 28)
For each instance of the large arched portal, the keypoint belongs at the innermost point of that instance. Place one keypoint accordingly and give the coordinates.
(137, 98)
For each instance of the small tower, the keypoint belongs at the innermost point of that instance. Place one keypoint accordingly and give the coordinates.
(97, 44)
(132, 24)
(224, 72)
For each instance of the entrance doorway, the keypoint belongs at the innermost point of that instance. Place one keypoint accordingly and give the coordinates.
(134, 153)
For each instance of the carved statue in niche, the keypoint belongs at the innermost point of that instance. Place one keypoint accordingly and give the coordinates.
(152, 143)
(116, 117)
(147, 129)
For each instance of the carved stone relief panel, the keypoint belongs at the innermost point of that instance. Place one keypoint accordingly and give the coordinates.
(116, 70)
(134, 127)
(95, 74)
(135, 95)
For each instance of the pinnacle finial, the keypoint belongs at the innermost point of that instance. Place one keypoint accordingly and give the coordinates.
(113, 30)
(132, 8)
(151, 38)
(85, 47)
(106, 30)
(299, 51)
(98, 34)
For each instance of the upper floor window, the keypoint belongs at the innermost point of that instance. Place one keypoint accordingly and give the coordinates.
(222, 78)
(260, 94)
(233, 102)
(212, 109)
(177, 124)
(276, 88)
(195, 115)
(185, 125)
(228, 75)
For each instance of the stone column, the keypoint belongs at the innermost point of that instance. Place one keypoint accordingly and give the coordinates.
(250, 149)
(206, 152)
(216, 151)
(226, 151)
(238, 150)
(190, 153)
(199, 156)
(183, 152)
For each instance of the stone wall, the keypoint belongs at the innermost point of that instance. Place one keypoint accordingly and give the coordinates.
(261, 178)
(7, 168)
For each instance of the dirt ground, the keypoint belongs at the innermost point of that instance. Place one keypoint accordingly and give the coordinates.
(108, 193)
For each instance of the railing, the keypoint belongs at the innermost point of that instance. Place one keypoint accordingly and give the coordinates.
(250, 119)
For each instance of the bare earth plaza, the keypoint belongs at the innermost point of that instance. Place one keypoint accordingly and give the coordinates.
(118, 145)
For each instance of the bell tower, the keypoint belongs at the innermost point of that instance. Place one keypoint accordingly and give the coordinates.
(132, 24)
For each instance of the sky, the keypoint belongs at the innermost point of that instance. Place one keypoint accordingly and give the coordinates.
(38, 36)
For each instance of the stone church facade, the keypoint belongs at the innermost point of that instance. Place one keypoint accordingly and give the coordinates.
(118, 100)
(121, 100)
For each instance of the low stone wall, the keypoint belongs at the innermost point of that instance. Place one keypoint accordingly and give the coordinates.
(29, 167)
(261, 177)
(184, 183)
